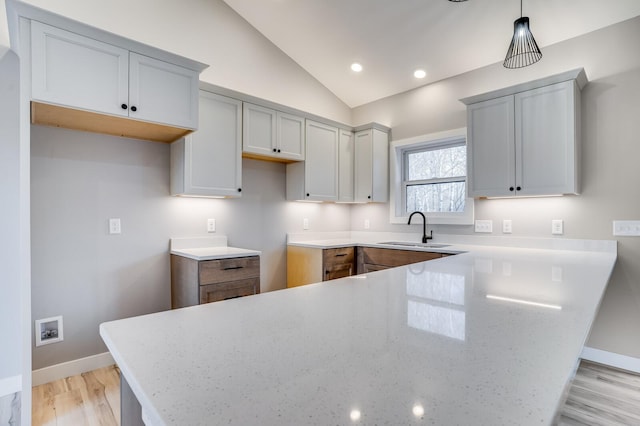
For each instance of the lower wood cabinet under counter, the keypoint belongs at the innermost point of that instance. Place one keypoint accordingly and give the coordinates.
(196, 282)
(371, 259)
(307, 265)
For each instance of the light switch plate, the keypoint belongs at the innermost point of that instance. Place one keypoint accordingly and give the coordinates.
(484, 226)
(626, 228)
(367, 224)
(507, 226)
(211, 225)
(557, 227)
(305, 223)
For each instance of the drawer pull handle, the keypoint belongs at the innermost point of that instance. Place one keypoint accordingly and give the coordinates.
(232, 267)
(341, 254)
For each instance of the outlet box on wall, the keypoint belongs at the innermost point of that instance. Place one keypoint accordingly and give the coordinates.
(49, 330)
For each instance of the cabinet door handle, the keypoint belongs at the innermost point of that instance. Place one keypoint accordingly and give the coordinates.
(232, 267)
(124, 106)
(134, 109)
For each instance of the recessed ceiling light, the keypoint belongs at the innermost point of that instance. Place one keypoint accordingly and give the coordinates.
(356, 67)
(419, 73)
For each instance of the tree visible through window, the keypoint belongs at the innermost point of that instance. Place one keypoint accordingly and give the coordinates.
(435, 178)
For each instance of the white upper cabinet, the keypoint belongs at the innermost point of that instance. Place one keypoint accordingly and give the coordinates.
(290, 136)
(76, 71)
(72, 70)
(316, 179)
(162, 92)
(546, 140)
(346, 159)
(371, 166)
(272, 134)
(491, 147)
(526, 143)
(208, 162)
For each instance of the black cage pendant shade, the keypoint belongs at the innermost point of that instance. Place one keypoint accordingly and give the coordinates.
(523, 50)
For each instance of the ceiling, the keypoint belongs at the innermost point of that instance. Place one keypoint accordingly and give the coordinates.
(392, 38)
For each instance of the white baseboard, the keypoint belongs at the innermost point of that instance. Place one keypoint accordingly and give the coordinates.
(611, 359)
(10, 385)
(71, 368)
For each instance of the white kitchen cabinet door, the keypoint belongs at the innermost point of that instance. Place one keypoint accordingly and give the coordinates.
(490, 148)
(545, 132)
(321, 162)
(162, 92)
(371, 166)
(315, 178)
(290, 141)
(346, 158)
(259, 130)
(72, 70)
(208, 162)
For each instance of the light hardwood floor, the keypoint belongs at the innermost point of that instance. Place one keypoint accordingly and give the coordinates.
(92, 398)
(598, 396)
(602, 395)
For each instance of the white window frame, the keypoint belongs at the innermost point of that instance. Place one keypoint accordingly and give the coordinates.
(397, 196)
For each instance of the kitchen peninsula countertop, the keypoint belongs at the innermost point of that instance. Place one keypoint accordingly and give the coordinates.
(490, 336)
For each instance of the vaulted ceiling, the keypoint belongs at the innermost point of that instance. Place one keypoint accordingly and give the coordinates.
(393, 38)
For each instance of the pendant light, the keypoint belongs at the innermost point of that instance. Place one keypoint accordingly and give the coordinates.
(523, 50)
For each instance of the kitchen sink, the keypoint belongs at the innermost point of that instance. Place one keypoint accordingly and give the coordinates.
(408, 244)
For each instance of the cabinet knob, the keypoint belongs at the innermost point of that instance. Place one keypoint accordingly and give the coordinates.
(124, 106)
(278, 150)
(518, 188)
(239, 189)
(369, 197)
(511, 188)
(134, 109)
(275, 150)
(307, 194)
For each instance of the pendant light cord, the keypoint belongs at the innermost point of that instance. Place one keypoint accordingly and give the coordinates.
(521, 8)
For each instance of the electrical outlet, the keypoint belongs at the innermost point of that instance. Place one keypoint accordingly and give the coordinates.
(211, 225)
(557, 227)
(626, 228)
(367, 224)
(305, 223)
(114, 226)
(484, 226)
(507, 226)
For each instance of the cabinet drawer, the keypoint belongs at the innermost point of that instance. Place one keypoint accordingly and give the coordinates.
(392, 257)
(223, 270)
(338, 256)
(229, 290)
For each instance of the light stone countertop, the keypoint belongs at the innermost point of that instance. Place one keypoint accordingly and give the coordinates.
(208, 248)
(443, 342)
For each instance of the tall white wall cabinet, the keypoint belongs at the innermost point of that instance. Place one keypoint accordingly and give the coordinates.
(525, 140)
(371, 166)
(208, 162)
(316, 179)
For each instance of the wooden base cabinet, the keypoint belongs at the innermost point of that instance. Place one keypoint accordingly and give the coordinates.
(196, 282)
(312, 265)
(372, 259)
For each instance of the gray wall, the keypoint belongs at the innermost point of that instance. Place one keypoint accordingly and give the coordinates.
(80, 180)
(611, 148)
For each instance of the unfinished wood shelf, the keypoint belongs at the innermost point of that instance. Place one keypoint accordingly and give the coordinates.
(69, 118)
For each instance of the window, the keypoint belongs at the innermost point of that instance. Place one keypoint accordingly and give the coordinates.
(430, 176)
